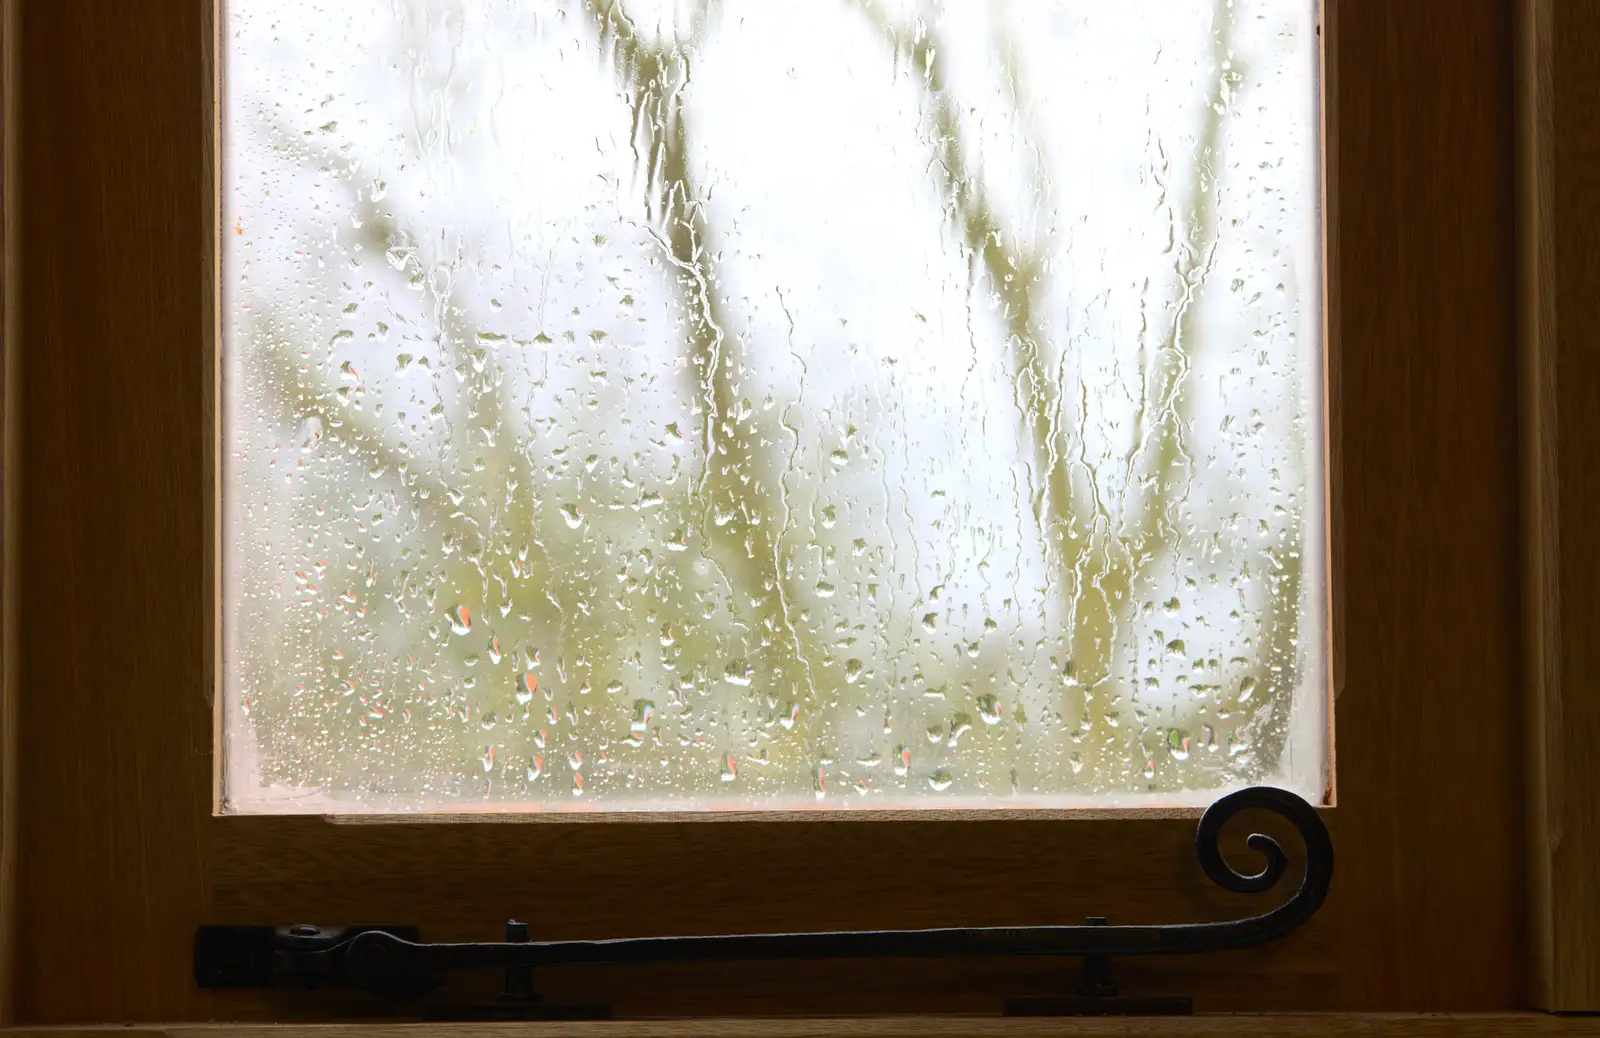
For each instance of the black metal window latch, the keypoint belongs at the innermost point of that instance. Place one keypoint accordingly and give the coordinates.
(395, 961)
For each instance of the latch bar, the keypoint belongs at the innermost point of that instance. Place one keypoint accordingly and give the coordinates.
(395, 959)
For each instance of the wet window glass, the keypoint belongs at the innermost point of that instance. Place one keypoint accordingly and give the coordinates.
(729, 404)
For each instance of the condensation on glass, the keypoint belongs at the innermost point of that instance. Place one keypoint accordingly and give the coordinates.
(734, 404)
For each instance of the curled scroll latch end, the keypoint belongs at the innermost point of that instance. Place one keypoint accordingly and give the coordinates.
(1307, 823)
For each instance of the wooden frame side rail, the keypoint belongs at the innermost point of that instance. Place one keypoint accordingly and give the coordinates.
(1558, 284)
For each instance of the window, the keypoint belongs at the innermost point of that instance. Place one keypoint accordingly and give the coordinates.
(749, 405)
(114, 850)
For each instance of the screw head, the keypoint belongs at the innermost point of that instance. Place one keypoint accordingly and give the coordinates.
(304, 930)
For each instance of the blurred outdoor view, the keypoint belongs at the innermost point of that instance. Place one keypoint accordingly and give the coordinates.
(753, 404)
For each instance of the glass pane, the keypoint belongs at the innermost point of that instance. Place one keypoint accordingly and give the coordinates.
(729, 404)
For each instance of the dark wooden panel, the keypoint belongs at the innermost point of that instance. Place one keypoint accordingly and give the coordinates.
(111, 604)
(1429, 719)
(10, 762)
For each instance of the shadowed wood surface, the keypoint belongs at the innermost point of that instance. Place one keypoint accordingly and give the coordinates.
(1288, 1026)
(111, 697)
(1559, 267)
(1429, 879)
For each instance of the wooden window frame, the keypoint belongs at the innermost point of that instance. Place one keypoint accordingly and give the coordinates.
(1558, 267)
(110, 854)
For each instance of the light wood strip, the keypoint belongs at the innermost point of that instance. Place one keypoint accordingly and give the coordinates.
(1559, 266)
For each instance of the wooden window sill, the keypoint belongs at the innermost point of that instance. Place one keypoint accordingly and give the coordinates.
(1300, 1025)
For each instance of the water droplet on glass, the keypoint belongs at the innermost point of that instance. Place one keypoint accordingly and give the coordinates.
(460, 619)
(573, 514)
(738, 673)
(310, 434)
(940, 780)
(989, 708)
(852, 671)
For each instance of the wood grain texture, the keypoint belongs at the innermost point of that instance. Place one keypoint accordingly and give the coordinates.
(110, 682)
(115, 659)
(1559, 269)
(1306, 1025)
(1429, 717)
(702, 877)
(10, 282)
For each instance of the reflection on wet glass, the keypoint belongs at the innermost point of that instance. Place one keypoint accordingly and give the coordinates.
(735, 404)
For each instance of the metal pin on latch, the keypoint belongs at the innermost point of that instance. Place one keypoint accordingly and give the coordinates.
(517, 1000)
(1098, 995)
(519, 979)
